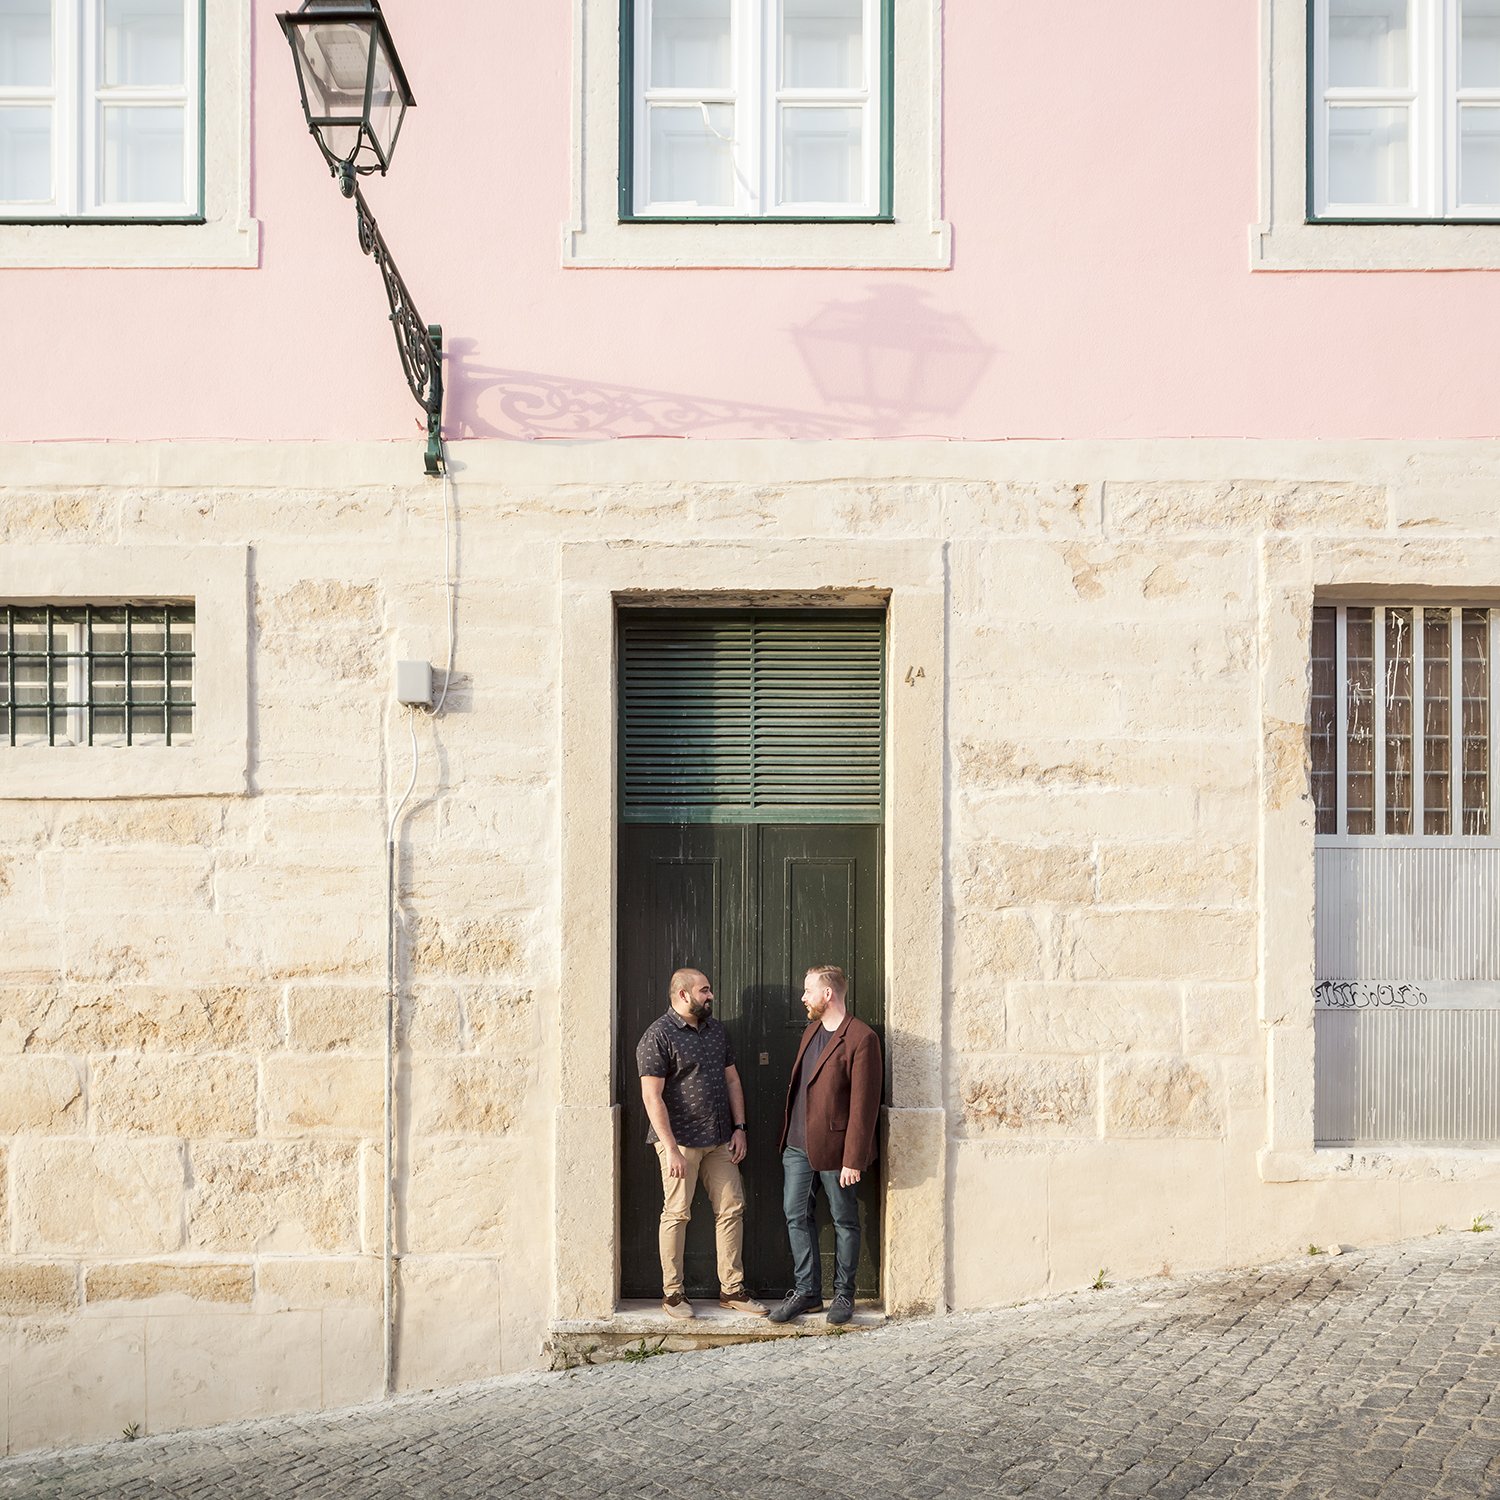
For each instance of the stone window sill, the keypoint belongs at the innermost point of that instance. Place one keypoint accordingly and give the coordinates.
(1369, 1163)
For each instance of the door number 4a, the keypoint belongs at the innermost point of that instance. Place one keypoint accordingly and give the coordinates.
(914, 675)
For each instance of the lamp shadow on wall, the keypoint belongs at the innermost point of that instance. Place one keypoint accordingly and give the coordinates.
(884, 365)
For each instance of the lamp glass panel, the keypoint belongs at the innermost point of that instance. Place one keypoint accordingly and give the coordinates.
(1369, 156)
(690, 44)
(821, 155)
(1479, 44)
(26, 153)
(25, 43)
(822, 44)
(386, 104)
(692, 155)
(143, 153)
(1369, 43)
(335, 58)
(143, 43)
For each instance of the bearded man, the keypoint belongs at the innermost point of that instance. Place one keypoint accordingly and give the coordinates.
(696, 1106)
(832, 1109)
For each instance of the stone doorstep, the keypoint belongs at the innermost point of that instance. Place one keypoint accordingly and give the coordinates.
(595, 1340)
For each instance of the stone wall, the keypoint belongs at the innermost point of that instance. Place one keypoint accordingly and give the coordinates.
(192, 988)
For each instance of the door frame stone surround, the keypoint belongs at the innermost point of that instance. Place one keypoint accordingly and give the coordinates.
(909, 578)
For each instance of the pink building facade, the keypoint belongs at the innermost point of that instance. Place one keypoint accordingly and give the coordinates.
(1118, 372)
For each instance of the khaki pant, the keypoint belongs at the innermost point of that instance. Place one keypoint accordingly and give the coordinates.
(726, 1196)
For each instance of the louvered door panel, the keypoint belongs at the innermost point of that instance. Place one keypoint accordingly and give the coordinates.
(753, 716)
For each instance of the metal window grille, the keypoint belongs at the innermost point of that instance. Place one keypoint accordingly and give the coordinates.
(1401, 702)
(98, 674)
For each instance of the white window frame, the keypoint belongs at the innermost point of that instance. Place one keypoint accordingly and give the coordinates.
(216, 579)
(219, 231)
(913, 237)
(79, 97)
(1287, 237)
(756, 93)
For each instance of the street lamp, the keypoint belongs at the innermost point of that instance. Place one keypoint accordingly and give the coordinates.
(355, 97)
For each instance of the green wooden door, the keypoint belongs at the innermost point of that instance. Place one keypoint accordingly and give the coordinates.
(750, 847)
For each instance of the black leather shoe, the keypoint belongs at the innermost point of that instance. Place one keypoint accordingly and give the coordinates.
(794, 1305)
(841, 1309)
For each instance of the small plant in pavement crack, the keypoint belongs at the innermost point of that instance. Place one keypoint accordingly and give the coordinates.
(643, 1351)
(1099, 1283)
(1316, 1250)
(1481, 1224)
(131, 1433)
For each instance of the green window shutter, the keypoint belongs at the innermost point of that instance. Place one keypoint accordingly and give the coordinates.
(751, 717)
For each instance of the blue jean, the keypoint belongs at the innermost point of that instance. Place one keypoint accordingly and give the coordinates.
(799, 1189)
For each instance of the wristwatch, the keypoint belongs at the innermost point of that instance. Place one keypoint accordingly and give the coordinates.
(741, 1126)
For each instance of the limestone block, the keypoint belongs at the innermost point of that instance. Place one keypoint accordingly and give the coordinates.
(32, 953)
(191, 822)
(97, 1197)
(1077, 815)
(346, 827)
(915, 1235)
(29, 1288)
(40, 1094)
(992, 508)
(1032, 1096)
(977, 1019)
(267, 889)
(470, 1195)
(478, 948)
(4, 1197)
(1221, 1018)
(196, 1098)
(319, 605)
(90, 514)
(139, 1281)
(349, 1281)
(465, 1095)
(1107, 1016)
(1163, 506)
(991, 947)
(475, 882)
(324, 1095)
(299, 942)
(1135, 1208)
(287, 1197)
(352, 1355)
(156, 947)
(586, 1232)
(327, 1017)
(1162, 1096)
(450, 1321)
(999, 1225)
(433, 1018)
(223, 1368)
(77, 1381)
(131, 1018)
(1186, 873)
(992, 874)
(502, 1022)
(1219, 945)
(96, 879)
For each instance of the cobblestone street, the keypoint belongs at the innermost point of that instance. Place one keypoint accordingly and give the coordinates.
(1371, 1374)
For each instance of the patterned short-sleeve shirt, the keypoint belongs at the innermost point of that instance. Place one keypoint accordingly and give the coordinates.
(692, 1060)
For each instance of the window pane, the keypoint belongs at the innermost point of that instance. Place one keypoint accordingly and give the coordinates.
(1437, 746)
(1476, 721)
(1368, 156)
(25, 43)
(1367, 43)
(148, 680)
(109, 680)
(690, 47)
(109, 630)
(31, 726)
(1360, 744)
(26, 153)
(691, 159)
(822, 44)
(31, 680)
(1478, 155)
(821, 155)
(109, 726)
(143, 155)
(1480, 41)
(182, 629)
(143, 42)
(147, 631)
(1324, 718)
(181, 726)
(1399, 665)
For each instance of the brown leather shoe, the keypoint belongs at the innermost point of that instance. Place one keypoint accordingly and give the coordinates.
(743, 1304)
(677, 1306)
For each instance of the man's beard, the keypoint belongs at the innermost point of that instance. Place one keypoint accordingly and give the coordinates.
(697, 1009)
(816, 1010)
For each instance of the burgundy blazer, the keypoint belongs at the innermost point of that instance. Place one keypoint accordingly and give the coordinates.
(843, 1098)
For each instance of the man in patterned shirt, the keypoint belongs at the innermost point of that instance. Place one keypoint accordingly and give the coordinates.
(696, 1106)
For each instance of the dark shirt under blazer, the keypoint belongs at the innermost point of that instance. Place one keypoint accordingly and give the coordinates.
(843, 1097)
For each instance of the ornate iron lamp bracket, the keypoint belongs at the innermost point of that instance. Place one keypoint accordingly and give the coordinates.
(419, 344)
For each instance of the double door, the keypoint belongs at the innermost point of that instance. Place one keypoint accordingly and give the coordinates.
(753, 906)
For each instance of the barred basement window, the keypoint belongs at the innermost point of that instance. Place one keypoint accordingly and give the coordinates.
(97, 674)
(1407, 997)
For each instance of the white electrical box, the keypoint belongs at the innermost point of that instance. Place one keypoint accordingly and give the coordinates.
(414, 683)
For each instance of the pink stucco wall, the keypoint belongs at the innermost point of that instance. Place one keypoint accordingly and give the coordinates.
(1101, 175)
